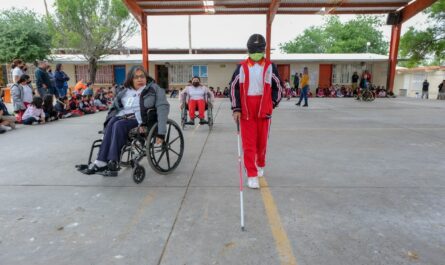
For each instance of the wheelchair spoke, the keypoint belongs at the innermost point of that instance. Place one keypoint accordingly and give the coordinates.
(168, 132)
(174, 151)
(168, 158)
(160, 157)
(174, 140)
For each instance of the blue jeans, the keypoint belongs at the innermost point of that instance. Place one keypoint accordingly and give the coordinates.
(303, 95)
(62, 91)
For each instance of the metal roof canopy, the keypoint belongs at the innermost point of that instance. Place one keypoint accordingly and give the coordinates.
(405, 9)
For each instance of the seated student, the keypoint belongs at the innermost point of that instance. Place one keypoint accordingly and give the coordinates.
(17, 93)
(84, 105)
(218, 92)
(196, 96)
(319, 92)
(48, 108)
(79, 87)
(74, 106)
(62, 107)
(98, 103)
(88, 90)
(34, 113)
(7, 121)
(226, 92)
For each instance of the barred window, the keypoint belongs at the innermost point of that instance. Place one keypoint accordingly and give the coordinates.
(104, 74)
(342, 73)
(31, 70)
(182, 73)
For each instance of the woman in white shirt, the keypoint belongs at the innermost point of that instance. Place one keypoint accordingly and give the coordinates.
(196, 96)
(17, 69)
(129, 110)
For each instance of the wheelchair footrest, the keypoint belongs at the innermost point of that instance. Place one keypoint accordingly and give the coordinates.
(108, 173)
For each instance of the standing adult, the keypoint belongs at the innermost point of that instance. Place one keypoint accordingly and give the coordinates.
(296, 81)
(61, 80)
(255, 92)
(441, 94)
(355, 79)
(17, 70)
(43, 82)
(304, 83)
(425, 88)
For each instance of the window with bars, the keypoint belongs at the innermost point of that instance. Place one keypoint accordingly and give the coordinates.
(182, 73)
(31, 70)
(342, 73)
(104, 74)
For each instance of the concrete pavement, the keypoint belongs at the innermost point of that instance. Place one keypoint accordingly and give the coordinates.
(352, 183)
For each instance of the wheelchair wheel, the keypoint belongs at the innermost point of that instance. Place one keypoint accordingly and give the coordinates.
(138, 174)
(166, 157)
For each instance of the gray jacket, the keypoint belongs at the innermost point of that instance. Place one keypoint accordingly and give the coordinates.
(152, 98)
(17, 97)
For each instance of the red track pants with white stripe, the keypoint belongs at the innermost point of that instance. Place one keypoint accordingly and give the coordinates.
(254, 134)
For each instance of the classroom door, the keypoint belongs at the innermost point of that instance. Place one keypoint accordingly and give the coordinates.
(325, 76)
(161, 75)
(119, 74)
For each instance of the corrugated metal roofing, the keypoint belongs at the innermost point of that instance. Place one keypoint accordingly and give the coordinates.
(169, 7)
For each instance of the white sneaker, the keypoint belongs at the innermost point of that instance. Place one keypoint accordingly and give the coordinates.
(5, 128)
(261, 172)
(253, 183)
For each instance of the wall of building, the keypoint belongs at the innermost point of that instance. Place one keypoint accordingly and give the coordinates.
(409, 83)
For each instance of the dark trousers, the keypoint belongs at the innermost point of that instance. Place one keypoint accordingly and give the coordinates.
(303, 95)
(115, 137)
(29, 121)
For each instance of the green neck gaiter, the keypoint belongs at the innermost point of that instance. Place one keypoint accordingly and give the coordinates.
(256, 56)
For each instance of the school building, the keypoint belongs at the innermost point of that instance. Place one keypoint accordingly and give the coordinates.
(409, 81)
(175, 70)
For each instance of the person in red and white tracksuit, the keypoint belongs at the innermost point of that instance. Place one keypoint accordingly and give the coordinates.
(255, 91)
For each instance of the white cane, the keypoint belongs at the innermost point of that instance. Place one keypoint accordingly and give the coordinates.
(240, 178)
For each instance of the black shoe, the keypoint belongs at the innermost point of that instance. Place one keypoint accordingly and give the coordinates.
(305, 105)
(192, 122)
(94, 169)
(202, 121)
(297, 104)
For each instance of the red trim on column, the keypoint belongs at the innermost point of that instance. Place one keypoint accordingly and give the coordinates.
(144, 34)
(393, 53)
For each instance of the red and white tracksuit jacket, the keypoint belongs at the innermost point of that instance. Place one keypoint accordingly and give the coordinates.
(255, 91)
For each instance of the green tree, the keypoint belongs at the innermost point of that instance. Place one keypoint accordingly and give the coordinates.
(337, 37)
(24, 35)
(426, 46)
(94, 27)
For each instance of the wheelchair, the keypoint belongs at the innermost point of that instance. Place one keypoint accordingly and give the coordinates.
(185, 114)
(163, 158)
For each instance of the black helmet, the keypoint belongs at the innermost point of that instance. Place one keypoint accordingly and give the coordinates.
(256, 43)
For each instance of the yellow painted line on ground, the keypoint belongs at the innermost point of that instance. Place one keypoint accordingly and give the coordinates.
(281, 241)
(137, 216)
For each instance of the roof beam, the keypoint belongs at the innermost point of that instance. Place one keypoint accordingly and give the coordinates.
(135, 9)
(201, 12)
(414, 8)
(273, 8)
(159, 5)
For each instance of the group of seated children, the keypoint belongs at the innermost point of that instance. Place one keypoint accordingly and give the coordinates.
(347, 92)
(44, 110)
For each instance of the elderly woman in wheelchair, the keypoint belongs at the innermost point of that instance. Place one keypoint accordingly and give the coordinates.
(196, 97)
(137, 125)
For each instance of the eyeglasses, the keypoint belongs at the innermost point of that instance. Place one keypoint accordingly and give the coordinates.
(139, 77)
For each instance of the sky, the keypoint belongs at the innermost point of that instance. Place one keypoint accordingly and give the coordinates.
(218, 31)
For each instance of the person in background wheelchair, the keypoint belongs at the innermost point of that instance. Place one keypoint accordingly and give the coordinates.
(130, 109)
(196, 96)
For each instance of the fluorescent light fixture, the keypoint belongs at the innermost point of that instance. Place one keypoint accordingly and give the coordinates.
(209, 6)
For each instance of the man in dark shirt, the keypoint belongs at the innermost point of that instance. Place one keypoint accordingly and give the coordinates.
(425, 88)
(43, 82)
(355, 78)
(296, 81)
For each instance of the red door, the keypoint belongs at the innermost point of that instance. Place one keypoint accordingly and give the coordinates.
(325, 76)
(284, 71)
